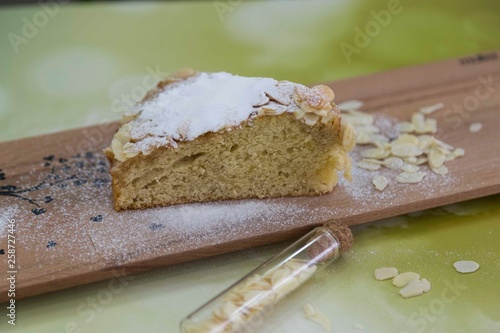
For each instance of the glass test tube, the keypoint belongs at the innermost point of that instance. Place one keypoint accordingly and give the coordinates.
(244, 306)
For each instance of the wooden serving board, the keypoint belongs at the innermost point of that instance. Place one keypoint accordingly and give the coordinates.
(57, 188)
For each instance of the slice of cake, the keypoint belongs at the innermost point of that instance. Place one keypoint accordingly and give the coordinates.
(214, 136)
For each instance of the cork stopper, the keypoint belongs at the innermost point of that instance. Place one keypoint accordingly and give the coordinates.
(342, 233)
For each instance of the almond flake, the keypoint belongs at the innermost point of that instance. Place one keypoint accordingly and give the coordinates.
(466, 266)
(377, 153)
(410, 178)
(405, 150)
(362, 138)
(309, 310)
(318, 317)
(459, 152)
(415, 288)
(436, 159)
(380, 182)
(402, 280)
(421, 160)
(394, 163)
(350, 105)
(364, 164)
(411, 160)
(410, 168)
(431, 125)
(418, 120)
(475, 127)
(385, 273)
(406, 138)
(427, 110)
(405, 127)
(442, 170)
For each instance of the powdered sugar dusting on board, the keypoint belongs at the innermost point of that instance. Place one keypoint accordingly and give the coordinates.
(6, 214)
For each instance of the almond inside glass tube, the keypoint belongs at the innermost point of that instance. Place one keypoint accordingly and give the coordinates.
(243, 306)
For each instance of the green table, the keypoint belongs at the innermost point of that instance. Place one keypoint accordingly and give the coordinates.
(66, 66)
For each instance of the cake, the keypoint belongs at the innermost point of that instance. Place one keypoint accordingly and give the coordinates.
(216, 136)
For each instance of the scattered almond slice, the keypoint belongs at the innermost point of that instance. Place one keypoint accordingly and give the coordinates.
(466, 266)
(475, 127)
(309, 310)
(427, 285)
(405, 127)
(350, 105)
(364, 164)
(317, 317)
(401, 280)
(406, 138)
(385, 273)
(410, 178)
(405, 150)
(415, 288)
(410, 168)
(431, 125)
(413, 152)
(421, 160)
(394, 163)
(427, 110)
(418, 120)
(376, 153)
(459, 152)
(442, 170)
(436, 159)
(380, 182)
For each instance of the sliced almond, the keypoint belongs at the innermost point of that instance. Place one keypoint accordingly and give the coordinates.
(350, 105)
(421, 160)
(363, 138)
(427, 110)
(475, 127)
(418, 120)
(394, 163)
(459, 152)
(309, 310)
(405, 127)
(406, 138)
(410, 178)
(377, 153)
(466, 266)
(431, 125)
(436, 159)
(411, 160)
(415, 288)
(405, 150)
(401, 280)
(368, 165)
(442, 170)
(380, 182)
(385, 273)
(410, 167)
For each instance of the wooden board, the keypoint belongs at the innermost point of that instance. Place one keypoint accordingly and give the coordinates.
(56, 188)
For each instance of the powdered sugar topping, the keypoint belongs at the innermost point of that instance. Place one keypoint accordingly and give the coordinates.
(206, 102)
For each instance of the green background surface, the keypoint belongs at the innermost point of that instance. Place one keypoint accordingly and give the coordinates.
(85, 63)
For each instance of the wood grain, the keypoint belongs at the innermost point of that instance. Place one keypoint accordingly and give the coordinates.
(57, 189)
